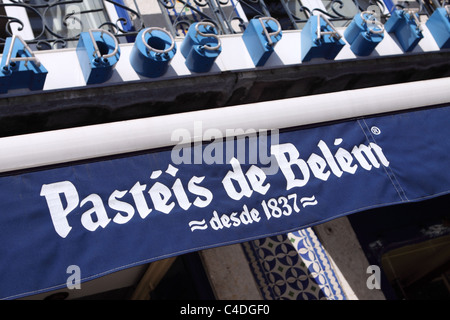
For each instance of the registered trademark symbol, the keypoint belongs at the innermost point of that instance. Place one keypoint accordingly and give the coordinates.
(375, 130)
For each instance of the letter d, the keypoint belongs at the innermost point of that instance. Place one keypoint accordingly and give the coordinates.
(58, 213)
(239, 177)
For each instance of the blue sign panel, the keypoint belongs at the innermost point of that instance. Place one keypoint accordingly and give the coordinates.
(113, 214)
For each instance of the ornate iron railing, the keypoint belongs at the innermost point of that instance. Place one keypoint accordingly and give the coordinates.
(229, 16)
(46, 33)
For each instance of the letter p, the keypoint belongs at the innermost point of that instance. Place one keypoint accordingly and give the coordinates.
(58, 213)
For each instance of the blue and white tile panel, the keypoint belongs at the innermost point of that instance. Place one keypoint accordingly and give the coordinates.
(293, 267)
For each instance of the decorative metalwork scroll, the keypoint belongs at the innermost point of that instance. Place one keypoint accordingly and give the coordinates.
(51, 24)
(231, 16)
(58, 23)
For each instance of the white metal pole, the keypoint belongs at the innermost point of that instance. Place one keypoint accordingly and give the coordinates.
(81, 143)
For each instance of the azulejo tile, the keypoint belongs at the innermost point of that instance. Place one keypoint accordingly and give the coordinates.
(293, 266)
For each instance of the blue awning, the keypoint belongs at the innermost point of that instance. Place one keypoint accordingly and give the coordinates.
(108, 215)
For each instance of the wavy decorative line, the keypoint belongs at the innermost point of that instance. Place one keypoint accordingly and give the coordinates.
(308, 201)
(305, 204)
(194, 222)
(198, 225)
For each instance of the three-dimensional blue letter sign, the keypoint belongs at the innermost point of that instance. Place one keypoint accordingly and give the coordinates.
(439, 26)
(98, 55)
(260, 38)
(320, 39)
(20, 68)
(364, 33)
(152, 52)
(201, 46)
(406, 27)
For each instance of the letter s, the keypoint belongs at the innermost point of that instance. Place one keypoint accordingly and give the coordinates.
(201, 192)
(121, 206)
